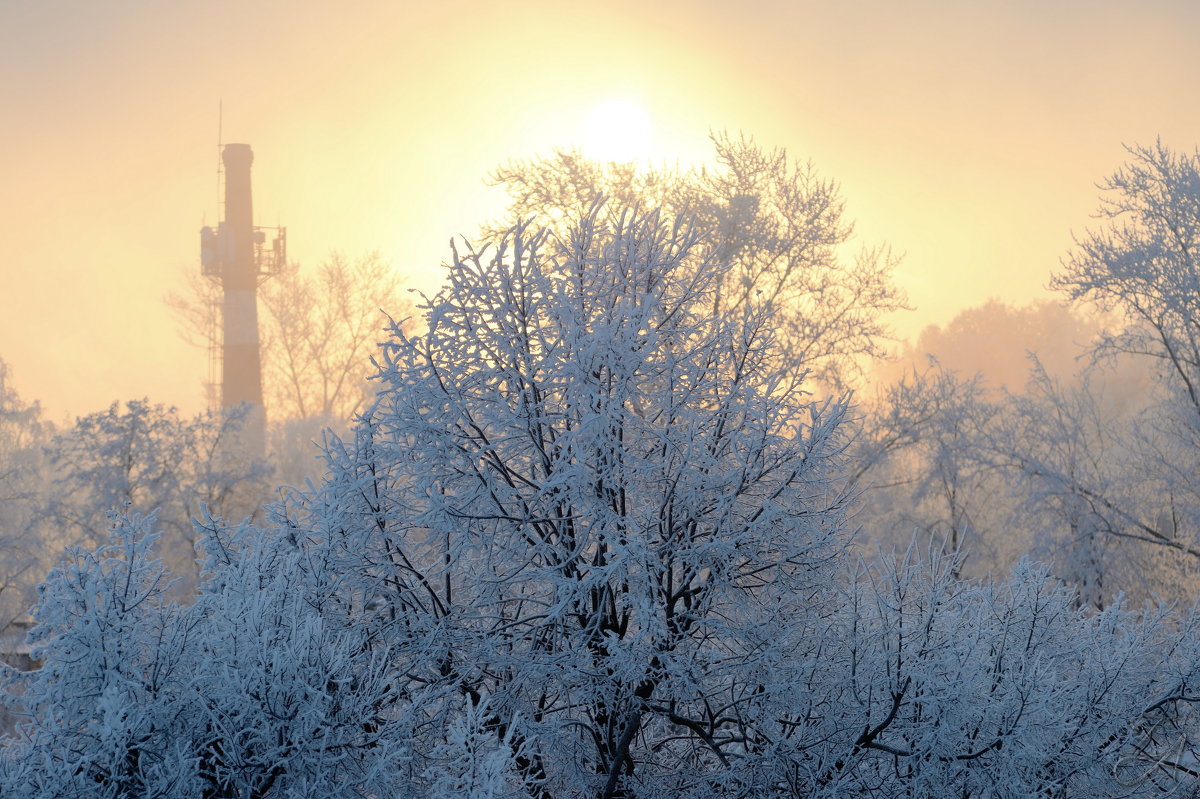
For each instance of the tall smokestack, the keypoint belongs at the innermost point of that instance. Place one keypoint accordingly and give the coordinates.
(237, 255)
(241, 369)
(241, 378)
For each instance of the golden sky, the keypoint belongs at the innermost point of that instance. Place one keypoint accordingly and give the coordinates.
(968, 135)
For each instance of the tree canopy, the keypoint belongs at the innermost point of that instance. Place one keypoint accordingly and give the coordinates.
(778, 225)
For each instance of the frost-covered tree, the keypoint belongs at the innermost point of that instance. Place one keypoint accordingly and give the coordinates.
(1094, 480)
(147, 458)
(1058, 470)
(1127, 474)
(593, 485)
(23, 558)
(1144, 264)
(1099, 465)
(777, 224)
(918, 466)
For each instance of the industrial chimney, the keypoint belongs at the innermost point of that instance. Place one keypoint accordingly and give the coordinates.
(236, 255)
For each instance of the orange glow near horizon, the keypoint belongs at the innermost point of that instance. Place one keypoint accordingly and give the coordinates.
(969, 137)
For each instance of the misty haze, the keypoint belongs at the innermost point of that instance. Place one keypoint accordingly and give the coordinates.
(538, 400)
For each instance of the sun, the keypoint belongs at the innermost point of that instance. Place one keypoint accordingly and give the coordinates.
(617, 130)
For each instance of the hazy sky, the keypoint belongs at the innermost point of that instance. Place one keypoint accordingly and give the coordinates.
(968, 135)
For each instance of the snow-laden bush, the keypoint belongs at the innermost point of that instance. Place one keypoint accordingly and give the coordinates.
(262, 687)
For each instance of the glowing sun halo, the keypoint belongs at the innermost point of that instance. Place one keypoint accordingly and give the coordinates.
(617, 130)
